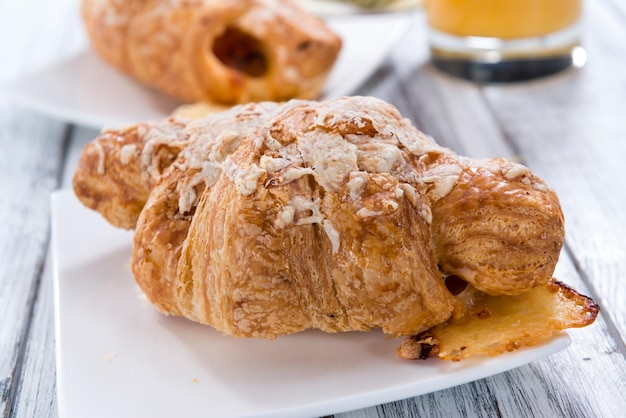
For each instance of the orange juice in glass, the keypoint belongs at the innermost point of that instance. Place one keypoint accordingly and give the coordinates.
(503, 40)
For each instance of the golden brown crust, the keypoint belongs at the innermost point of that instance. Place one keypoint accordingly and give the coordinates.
(116, 173)
(499, 227)
(488, 325)
(269, 218)
(282, 240)
(225, 52)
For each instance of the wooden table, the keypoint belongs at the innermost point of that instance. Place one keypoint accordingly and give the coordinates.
(570, 129)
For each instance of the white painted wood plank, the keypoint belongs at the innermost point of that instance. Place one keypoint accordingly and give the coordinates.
(36, 396)
(31, 149)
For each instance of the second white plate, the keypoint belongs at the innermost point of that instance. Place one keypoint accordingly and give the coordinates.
(87, 91)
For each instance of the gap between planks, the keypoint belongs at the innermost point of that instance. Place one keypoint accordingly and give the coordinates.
(17, 374)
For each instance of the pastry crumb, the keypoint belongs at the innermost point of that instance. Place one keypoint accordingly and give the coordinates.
(110, 356)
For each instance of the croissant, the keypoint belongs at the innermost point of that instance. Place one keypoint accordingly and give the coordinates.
(221, 51)
(268, 219)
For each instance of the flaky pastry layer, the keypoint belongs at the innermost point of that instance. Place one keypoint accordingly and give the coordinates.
(268, 219)
(218, 51)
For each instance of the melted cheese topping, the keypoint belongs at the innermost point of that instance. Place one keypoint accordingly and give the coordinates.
(101, 157)
(341, 144)
(333, 235)
(245, 179)
(329, 156)
(127, 152)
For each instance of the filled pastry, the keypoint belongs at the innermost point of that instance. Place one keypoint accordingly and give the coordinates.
(219, 51)
(269, 219)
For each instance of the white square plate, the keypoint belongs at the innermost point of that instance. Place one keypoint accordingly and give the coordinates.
(118, 357)
(87, 91)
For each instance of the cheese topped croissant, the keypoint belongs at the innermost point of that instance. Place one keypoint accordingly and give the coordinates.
(269, 219)
(232, 51)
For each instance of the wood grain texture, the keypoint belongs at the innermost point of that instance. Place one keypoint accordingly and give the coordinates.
(31, 159)
(36, 395)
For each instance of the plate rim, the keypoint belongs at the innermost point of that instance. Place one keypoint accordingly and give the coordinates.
(17, 89)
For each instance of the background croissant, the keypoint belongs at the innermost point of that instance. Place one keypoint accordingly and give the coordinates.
(269, 219)
(223, 51)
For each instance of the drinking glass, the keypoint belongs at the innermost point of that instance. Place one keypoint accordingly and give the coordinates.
(504, 40)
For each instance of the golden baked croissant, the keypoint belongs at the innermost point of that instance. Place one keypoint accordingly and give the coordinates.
(269, 219)
(223, 51)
